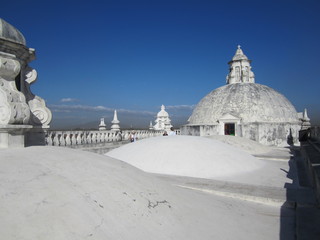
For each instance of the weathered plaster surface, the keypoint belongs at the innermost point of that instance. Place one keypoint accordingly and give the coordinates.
(258, 112)
(251, 102)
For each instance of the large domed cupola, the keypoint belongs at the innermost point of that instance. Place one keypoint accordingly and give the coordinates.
(240, 69)
(244, 108)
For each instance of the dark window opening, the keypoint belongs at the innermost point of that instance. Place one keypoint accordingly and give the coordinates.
(18, 82)
(229, 129)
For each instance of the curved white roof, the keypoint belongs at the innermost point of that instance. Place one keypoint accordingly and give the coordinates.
(61, 193)
(251, 102)
(187, 156)
(9, 32)
(162, 112)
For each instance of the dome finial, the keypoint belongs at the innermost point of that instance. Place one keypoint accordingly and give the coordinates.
(239, 54)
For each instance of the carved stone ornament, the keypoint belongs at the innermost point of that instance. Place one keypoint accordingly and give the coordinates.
(40, 114)
(13, 107)
(24, 117)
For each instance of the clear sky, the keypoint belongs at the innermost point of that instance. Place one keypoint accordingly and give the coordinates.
(96, 56)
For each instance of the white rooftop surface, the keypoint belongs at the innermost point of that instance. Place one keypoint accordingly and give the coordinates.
(208, 158)
(61, 193)
(276, 160)
(254, 148)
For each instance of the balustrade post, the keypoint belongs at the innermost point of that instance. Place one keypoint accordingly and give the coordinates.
(98, 137)
(89, 138)
(56, 140)
(119, 137)
(126, 135)
(93, 138)
(73, 139)
(78, 139)
(68, 140)
(61, 140)
(49, 140)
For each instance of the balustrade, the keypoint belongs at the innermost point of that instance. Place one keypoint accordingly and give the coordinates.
(86, 137)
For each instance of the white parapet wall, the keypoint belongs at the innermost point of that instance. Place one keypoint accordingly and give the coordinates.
(91, 137)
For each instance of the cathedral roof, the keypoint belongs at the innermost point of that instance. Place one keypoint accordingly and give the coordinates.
(243, 98)
(10, 33)
(251, 102)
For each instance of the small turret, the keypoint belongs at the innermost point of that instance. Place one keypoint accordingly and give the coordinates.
(150, 126)
(240, 69)
(305, 120)
(163, 121)
(102, 125)
(115, 122)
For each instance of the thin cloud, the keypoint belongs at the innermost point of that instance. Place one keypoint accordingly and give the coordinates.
(59, 110)
(65, 100)
(73, 108)
(121, 110)
(79, 108)
(181, 107)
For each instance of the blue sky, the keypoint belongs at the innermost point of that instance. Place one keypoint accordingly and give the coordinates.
(97, 56)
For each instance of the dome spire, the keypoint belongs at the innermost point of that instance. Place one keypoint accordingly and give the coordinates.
(240, 69)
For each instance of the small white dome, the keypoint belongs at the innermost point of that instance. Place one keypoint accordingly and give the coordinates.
(162, 112)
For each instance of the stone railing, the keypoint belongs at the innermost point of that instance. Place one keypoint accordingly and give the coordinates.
(312, 133)
(310, 151)
(315, 133)
(92, 137)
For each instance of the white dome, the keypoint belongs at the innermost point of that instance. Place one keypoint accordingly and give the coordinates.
(10, 33)
(187, 156)
(162, 112)
(251, 102)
